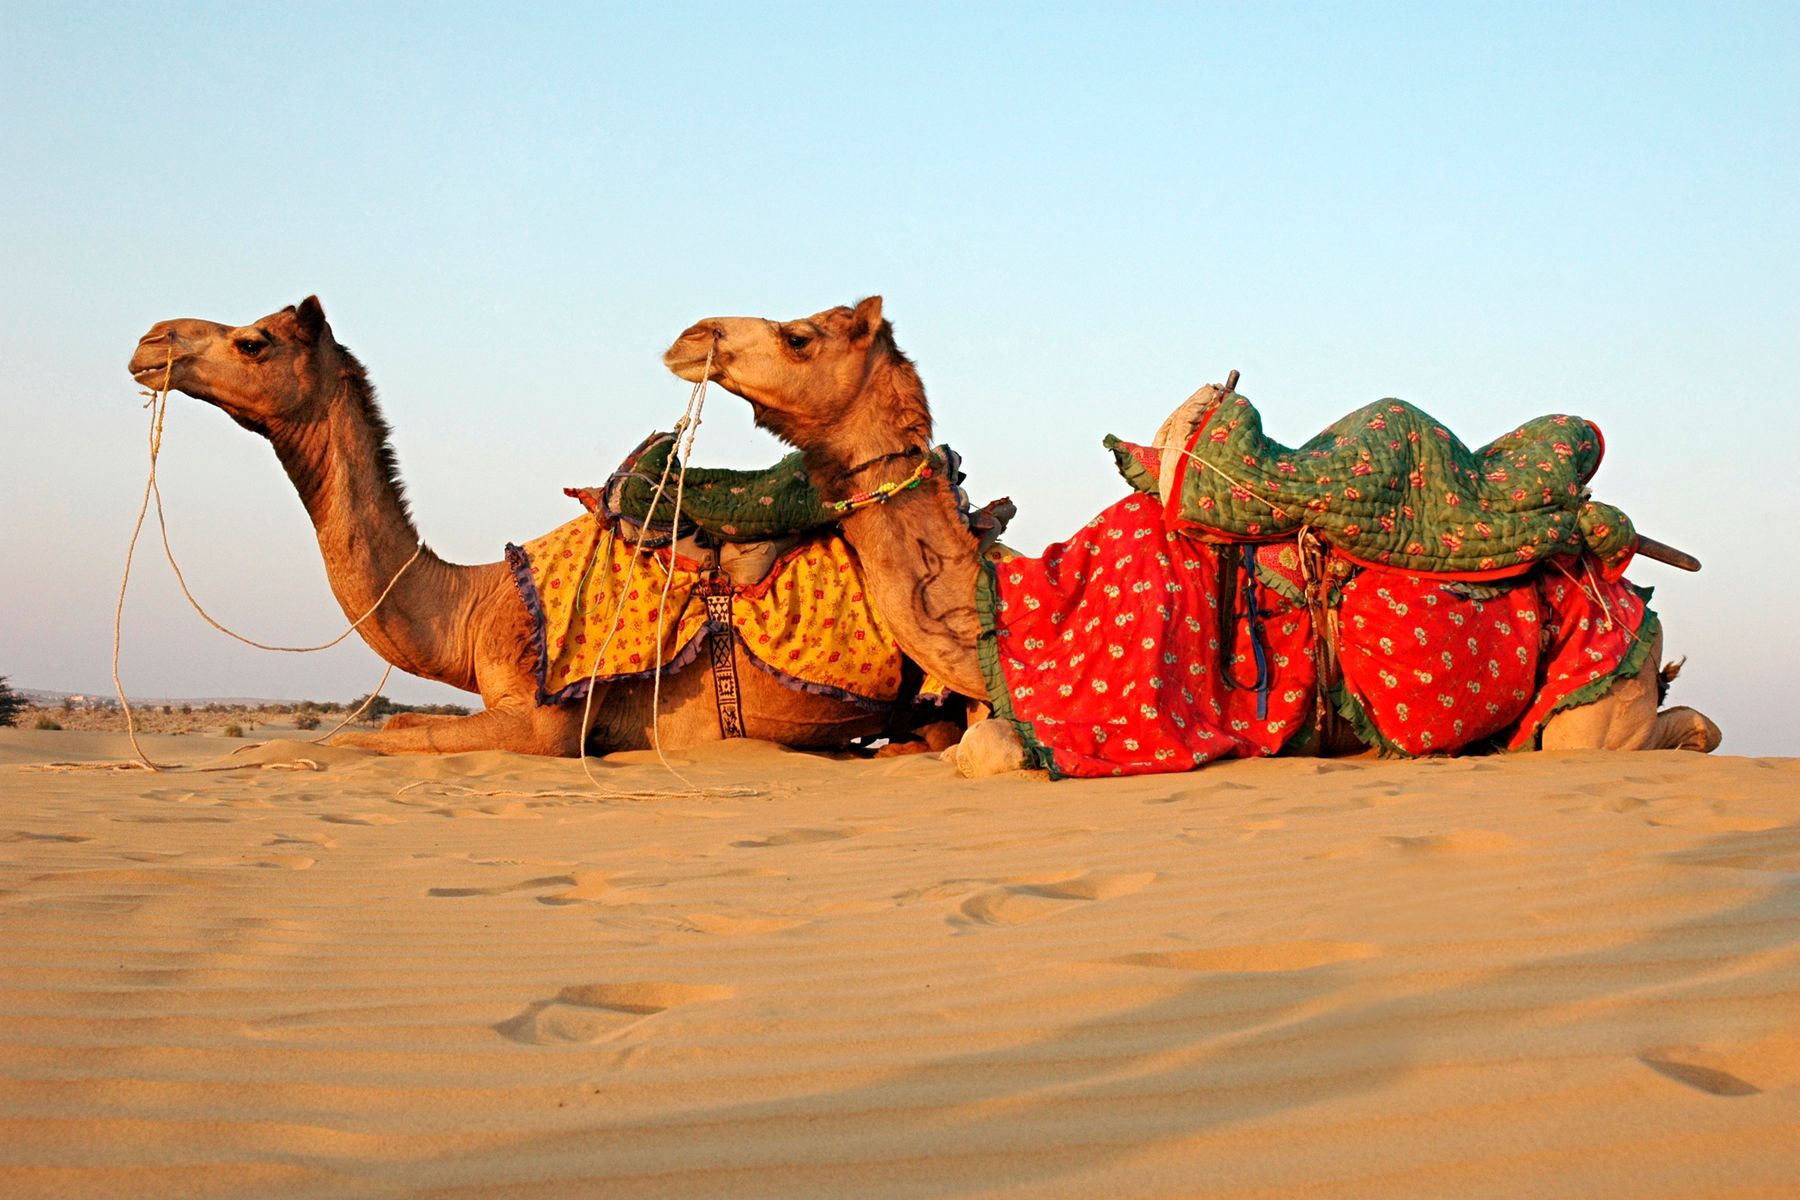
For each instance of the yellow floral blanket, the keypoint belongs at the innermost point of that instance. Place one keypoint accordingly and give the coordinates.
(809, 622)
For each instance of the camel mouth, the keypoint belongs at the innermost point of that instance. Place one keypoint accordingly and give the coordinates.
(689, 369)
(690, 366)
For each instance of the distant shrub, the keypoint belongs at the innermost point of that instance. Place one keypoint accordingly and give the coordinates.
(45, 721)
(10, 703)
(233, 730)
(381, 708)
(306, 721)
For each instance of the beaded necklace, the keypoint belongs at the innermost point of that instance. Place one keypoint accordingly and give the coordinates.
(887, 490)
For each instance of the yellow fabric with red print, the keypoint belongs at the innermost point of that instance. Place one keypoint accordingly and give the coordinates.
(809, 620)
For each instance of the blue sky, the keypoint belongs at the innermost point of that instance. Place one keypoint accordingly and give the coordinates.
(1076, 215)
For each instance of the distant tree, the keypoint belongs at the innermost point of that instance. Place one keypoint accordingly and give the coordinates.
(380, 707)
(10, 703)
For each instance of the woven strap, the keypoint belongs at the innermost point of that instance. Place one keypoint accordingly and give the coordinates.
(716, 589)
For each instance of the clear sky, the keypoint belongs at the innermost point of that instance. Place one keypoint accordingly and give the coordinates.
(1076, 216)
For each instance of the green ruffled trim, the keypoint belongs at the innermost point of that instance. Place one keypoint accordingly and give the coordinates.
(1134, 471)
(1350, 708)
(987, 648)
(1281, 585)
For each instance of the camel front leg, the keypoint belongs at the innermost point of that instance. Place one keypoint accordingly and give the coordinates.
(520, 728)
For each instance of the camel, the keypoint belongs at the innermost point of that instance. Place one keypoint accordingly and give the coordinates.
(836, 386)
(286, 378)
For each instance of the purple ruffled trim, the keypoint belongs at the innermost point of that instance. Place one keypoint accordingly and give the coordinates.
(816, 689)
(520, 562)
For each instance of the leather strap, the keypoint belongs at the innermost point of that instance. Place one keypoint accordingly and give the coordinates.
(1316, 574)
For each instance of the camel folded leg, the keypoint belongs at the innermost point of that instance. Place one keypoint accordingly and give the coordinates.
(990, 747)
(521, 729)
(1626, 718)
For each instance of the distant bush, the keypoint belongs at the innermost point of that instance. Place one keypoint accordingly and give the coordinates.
(306, 721)
(233, 730)
(380, 708)
(45, 721)
(10, 703)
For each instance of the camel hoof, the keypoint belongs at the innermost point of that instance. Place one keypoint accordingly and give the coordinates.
(990, 747)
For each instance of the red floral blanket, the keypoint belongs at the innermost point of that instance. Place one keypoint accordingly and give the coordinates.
(1105, 652)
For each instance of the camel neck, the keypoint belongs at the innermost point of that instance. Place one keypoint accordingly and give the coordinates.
(918, 557)
(342, 467)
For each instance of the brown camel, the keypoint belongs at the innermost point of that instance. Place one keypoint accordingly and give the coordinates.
(835, 385)
(287, 379)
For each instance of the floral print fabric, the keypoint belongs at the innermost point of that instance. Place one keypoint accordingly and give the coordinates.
(1105, 652)
(809, 622)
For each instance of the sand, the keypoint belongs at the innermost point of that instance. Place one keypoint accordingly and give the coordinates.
(1557, 975)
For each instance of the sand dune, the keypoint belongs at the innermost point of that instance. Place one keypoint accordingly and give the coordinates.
(316, 973)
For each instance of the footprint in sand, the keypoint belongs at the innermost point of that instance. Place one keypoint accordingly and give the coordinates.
(1018, 901)
(796, 837)
(288, 862)
(576, 886)
(358, 818)
(323, 841)
(196, 819)
(1256, 958)
(1430, 845)
(1765, 1064)
(592, 1012)
(1711, 1080)
(729, 923)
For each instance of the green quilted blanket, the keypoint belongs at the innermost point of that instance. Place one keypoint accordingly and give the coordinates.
(1388, 484)
(749, 506)
(734, 506)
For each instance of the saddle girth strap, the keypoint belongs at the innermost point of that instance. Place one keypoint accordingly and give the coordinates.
(1321, 604)
(716, 588)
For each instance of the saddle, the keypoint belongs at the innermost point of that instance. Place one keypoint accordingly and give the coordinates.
(753, 559)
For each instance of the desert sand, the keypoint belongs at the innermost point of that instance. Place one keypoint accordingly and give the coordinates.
(1556, 975)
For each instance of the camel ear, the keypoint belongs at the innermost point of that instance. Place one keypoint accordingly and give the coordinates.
(865, 321)
(311, 318)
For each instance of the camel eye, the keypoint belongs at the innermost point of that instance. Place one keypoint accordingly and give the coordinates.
(250, 347)
(797, 341)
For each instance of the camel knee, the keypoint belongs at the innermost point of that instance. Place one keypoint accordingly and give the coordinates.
(990, 747)
(413, 720)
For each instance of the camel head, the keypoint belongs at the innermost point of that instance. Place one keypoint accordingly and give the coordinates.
(276, 370)
(809, 380)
